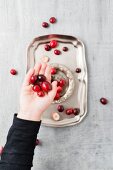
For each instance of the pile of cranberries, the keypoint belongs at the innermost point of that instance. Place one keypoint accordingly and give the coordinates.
(40, 85)
(54, 44)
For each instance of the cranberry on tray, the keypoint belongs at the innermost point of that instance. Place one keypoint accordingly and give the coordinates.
(60, 108)
(57, 52)
(53, 43)
(47, 47)
(53, 70)
(65, 48)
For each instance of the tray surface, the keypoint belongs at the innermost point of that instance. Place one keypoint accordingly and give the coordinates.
(76, 93)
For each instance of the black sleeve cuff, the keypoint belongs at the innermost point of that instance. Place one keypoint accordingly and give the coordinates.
(20, 145)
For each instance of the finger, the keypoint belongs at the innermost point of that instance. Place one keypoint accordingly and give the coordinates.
(42, 69)
(37, 68)
(48, 73)
(28, 76)
(52, 93)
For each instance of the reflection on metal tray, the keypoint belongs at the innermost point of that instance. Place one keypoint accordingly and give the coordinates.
(75, 94)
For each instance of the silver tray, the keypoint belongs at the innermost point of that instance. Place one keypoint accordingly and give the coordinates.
(72, 59)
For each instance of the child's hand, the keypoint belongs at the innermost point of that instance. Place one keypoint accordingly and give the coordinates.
(32, 106)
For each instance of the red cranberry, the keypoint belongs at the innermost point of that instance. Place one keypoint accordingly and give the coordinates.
(78, 70)
(69, 111)
(52, 20)
(57, 52)
(76, 111)
(59, 89)
(1, 150)
(104, 101)
(41, 94)
(53, 43)
(37, 142)
(65, 49)
(60, 108)
(53, 70)
(57, 97)
(47, 47)
(36, 88)
(62, 82)
(45, 24)
(13, 71)
(41, 78)
(33, 79)
(46, 86)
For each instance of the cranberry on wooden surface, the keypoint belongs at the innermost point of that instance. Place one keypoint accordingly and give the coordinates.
(65, 49)
(1, 150)
(57, 96)
(76, 111)
(41, 94)
(46, 86)
(53, 43)
(59, 89)
(69, 111)
(104, 101)
(13, 71)
(78, 70)
(60, 108)
(47, 47)
(33, 79)
(45, 24)
(36, 88)
(52, 20)
(57, 52)
(53, 70)
(41, 77)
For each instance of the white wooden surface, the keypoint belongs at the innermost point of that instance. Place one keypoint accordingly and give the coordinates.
(88, 146)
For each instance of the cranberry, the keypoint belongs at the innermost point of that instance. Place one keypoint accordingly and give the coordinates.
(104, 101)
(69, 111)
(65, 49)
(45, 24)
(37, 142)
(46, 86)
(62, 82)
(60, 108)
(57, 52)
(78, 70)
(53, 43)
(1, 150)
(53, 70)
(13, 71)
(76, 111)
(41, 78)
(33, 79)
(41, 94)
(57, 97)
(36, 88)
(47, 47)
(52, 20)
(59, 89)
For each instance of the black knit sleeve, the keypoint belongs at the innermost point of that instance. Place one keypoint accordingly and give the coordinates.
(19, 148)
